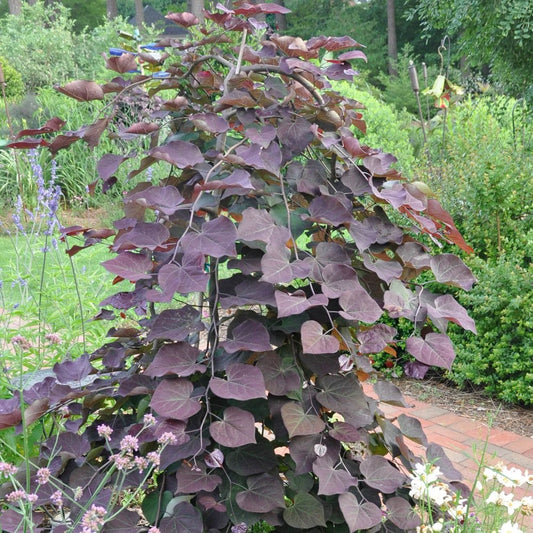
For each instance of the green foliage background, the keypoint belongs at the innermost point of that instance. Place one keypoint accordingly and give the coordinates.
(483, 174)
(14, 86)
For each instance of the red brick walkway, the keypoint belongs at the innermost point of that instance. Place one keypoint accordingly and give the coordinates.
(463, 439)
(460, 436)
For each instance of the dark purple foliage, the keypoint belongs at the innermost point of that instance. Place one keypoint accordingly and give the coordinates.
(278, 217)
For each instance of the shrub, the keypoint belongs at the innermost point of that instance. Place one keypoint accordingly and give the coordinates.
(500, 357)
(47, 52)
(14, 87)
(273, 212)
(483, 175)
(483, 179)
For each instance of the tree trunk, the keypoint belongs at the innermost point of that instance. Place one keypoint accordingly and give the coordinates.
(15, 7)
(392, 43)
(139, 13)
(196, 7)
(32, 2)
(281, 20)
(112, 9)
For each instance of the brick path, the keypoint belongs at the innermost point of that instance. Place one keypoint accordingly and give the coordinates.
(459, 436)
(463, 439)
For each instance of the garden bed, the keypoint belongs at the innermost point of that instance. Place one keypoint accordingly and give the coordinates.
(473, 404)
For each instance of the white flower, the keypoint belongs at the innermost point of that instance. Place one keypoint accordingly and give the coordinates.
(439, 494)
(493, 497)
(458, 512)
(510, 527)
(511, 477)
(490, 472)
(427, 472)
(438, 526)
(505, 500)
(418, 489)
(526, 505)
(512, 506)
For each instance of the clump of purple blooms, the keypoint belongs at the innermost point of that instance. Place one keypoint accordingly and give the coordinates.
(44, 215)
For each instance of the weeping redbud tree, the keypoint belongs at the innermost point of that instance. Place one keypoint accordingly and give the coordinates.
(261, 268)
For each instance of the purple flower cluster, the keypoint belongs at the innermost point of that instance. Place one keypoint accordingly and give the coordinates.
(47, 201)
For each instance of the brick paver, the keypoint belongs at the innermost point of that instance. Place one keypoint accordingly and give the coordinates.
(464, 439)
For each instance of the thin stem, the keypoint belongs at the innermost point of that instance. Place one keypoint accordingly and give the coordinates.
(241, 52)
(40, 300)
(80, 303)
(288, 209)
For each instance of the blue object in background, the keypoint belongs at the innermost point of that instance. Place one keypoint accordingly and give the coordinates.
(152, 46)
(119, 52)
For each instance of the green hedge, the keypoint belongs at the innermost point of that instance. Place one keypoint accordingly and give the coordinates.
(14, 87)
(500, 357)
(483, 175)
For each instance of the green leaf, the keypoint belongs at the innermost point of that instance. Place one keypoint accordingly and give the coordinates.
(305, 512)
(154, 504)
(298, 422)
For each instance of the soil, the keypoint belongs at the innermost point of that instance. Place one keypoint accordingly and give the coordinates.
(472, 404)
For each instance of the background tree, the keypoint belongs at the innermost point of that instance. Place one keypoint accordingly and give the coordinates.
(15, 6)
(497, 34)
(139, 13)
(392, 43)
(196, 7)
(112, 9)
(86, 14)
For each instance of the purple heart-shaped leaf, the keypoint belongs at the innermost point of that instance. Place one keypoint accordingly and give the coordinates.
(236, 429)
(330, 210)
(401, 513)
(210, 122)
(217, 238)
(193, 478)
(435, 349)
(332, 480)
(76, 370)
(179, 359)
(298, 422)
(172, 399)
(176, 324)
(182, 154)
(297, 302)
(357, 304)
(264, 494)
(130, 266)
(359, 516)
(380, 474)
(281, 375)
(243, 382)
(376, 338)
(315, 341)
(449, 269)
(249, 335)
(143, 235)
(446, 306)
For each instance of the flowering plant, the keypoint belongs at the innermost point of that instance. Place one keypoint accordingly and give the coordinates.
(491, 506)
(49, 500)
